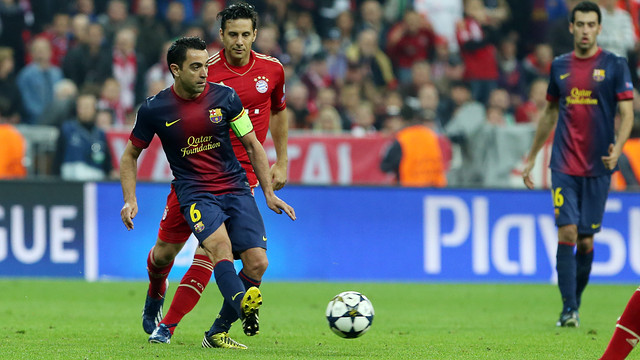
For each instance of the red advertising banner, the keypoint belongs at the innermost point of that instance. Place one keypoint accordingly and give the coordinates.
(313, 159)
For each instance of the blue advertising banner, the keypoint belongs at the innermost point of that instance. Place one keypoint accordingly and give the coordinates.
(42, 230)
(391, 234)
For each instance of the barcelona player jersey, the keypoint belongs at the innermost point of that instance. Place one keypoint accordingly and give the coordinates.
(587, 91)
(260, 85)
(195, 138)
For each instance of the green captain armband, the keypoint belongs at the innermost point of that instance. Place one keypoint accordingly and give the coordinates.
(241, 125)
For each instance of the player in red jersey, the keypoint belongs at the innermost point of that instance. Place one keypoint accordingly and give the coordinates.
(259, 81)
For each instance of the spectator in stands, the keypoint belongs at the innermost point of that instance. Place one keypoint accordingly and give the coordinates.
(79, 31)
(110, 100)
(86, 7)
(159, 72)
(443, 15)
(126, 69)
(304, 30)
(429, 102)
(267, 41)
(9, 92)
(12, 145)
(364, 120)
(36, 81)
(336, 57)
(512, 77)
(346, 25)
(316, 76)
(445, 66)
(63, 106)
(151, 33)
(59, 36)
(618, 34)
(371, 17)
(328, 121)
(558, 36)
(89, 61)
(420, 75)
(415, 156)
(538, 64)
(500, 99)
(116, 18)
(409, 41)
(295, 58)
(13, 17)
(528, 112)
(175, 22)
(348, 100)
(326, 96)
(368, 54)
(476, 37)
(298, 102)
(328, 12)
(211, 25)
(83, 152)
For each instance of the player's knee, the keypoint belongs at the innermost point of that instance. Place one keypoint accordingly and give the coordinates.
(568, 234)
(257, 266)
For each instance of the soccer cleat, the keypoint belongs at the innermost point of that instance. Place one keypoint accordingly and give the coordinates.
(221, 340)
(569, 318)
(160, 335)
(152, 312)
(250, 304)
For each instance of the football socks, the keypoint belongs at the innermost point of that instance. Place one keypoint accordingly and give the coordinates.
(157, 277)
(566, 267)
(229, 283)
(583, 269)
(228, 314)
(627, 332)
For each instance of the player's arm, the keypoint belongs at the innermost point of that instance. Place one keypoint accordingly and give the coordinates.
(128, 174)
(624, 130)
(546, 123)
(243, 129)
(279, 127)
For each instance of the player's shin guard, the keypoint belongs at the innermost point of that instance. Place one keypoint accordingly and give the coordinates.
(229, 283)
(566, 267)
(583, 270)
(189, 291)
(157, 277)
(627, 333)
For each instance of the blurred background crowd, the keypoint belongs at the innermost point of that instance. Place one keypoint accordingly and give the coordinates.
(472, 72)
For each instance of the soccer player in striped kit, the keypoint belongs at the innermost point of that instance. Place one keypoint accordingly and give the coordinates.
(585, 87)
(193, 119)
(260, 83)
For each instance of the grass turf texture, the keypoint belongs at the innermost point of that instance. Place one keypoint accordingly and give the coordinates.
(55, 319)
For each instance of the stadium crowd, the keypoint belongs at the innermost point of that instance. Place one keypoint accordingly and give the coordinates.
(473, 72)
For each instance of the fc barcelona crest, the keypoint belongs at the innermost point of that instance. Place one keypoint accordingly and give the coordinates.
(598, 74)
(215, 115)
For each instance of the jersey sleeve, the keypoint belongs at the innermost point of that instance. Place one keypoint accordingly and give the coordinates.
(553, 91)
(278, 101)
(238, 117)
(624, 86)
(142, 132)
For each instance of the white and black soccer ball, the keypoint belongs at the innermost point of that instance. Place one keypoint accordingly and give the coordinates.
(350, 314)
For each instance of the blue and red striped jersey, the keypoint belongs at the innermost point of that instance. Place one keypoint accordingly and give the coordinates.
(195, 138)
(587, 91)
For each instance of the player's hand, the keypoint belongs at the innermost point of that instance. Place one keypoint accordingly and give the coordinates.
(526, 174)
(278, 173)
(278, 206)
(128, 212)
(610, 161)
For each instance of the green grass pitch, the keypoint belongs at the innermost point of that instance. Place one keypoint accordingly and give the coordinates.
(58, 319)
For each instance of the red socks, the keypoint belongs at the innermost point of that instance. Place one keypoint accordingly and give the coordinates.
(627, 333)
(157, 277)
(189, 291)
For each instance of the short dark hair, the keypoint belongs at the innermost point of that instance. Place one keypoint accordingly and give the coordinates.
(238, 11)
(586, 6)
(177, 53)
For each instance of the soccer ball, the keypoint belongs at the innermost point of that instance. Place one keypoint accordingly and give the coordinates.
(349, 314)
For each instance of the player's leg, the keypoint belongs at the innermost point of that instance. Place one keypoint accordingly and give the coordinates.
(172, 235)
(627, 333)
(584, 259)
(255, 264)
(565, 190)
(593, 200)
(187, 294)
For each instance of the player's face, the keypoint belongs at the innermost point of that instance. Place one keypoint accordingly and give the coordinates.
(585, 28)
(192, 78)
(237, 39)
